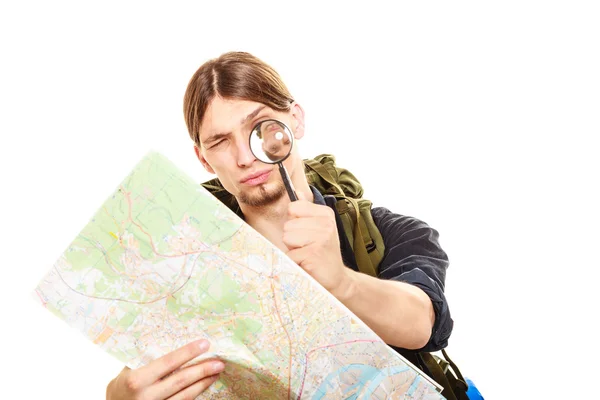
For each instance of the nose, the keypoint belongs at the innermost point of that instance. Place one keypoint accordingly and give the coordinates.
(245, 157)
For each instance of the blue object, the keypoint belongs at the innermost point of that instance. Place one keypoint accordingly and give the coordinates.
(472, 391)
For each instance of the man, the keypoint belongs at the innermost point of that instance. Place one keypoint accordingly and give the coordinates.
(404, 305)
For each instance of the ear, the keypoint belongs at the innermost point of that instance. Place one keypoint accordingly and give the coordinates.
(203, 161)
(298, 120)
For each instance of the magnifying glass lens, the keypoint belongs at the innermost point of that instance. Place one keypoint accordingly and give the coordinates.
(271, 141)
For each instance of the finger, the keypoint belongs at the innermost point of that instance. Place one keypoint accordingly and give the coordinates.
(304, 223)
(193, 391)
(307, 209)
(168, 363)
(300, 238)
(299, 255)
(298, 232)
(301, 195)
(186, 377)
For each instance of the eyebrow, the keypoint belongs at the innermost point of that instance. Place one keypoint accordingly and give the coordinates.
(252, 114)
(244, 120)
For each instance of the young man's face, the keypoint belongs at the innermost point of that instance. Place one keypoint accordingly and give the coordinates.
(225, 151)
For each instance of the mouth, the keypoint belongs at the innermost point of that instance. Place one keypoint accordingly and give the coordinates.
(256, 178)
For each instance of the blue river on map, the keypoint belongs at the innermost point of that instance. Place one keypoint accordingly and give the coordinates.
(368, 375)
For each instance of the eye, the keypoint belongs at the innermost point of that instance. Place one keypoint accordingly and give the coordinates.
(217, 144)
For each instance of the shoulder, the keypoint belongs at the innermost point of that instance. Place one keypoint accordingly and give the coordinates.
(405, 236)
(385, 219)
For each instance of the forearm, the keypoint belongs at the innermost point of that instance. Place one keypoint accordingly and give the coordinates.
(400, 313)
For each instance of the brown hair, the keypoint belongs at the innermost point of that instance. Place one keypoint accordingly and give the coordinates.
(235, 75)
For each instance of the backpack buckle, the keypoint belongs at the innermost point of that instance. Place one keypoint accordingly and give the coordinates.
(371, 246)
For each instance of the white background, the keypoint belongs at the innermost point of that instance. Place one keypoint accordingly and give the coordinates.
(480, 119)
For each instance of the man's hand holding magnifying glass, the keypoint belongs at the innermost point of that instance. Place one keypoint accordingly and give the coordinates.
(312, 237)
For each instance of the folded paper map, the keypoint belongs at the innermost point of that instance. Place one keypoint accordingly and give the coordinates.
(163, 263)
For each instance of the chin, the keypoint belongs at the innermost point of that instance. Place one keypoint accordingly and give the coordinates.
(262, 195)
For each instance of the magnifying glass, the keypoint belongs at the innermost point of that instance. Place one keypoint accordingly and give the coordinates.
(271, 142)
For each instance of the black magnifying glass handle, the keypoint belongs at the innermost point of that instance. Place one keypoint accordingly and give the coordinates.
(287, 182)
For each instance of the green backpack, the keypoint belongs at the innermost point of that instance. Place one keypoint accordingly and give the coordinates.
(368, 247)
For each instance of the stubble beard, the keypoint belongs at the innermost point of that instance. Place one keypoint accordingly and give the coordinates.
(263, 196)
